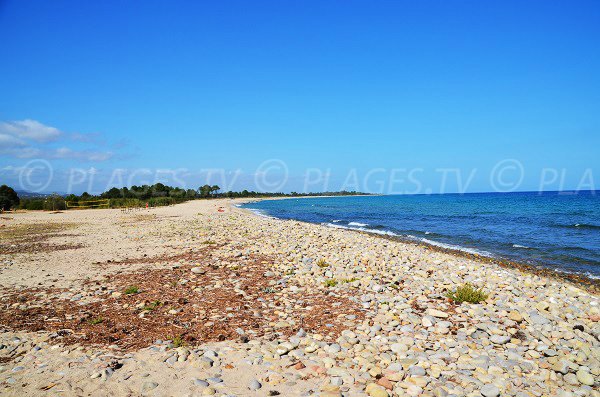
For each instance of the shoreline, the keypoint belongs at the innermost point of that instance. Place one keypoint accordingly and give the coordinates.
(590, 284)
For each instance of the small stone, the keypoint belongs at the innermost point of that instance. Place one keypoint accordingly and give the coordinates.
(254, 385)
(198, 270)
(562, 367)
(214, 380)
(200, 382)
(209, 391)
(437, 313)
(585, 378)
(398, 348)
(428, 321)
(490, 391)
(500, 339)
(147, 386)
(515, 316)
(374, 390)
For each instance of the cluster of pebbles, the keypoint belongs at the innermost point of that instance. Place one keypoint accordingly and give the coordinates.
(383, 325)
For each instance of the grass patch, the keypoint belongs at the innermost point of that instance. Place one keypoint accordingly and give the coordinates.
(349, 280)
(98, 320)
(132, 290)
(322, 263)
(178, 341)
(467, 293)
(269, 290)
(331, 282)
(152, 306)
(208, 242)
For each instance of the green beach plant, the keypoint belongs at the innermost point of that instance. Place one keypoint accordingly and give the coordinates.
(178, 341)
(331, 282)
(151, 306)
(467, 293)
(322, 263)
(132, 290)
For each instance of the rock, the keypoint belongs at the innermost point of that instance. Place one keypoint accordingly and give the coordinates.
(417, 371)
(214, 380)
(398, 348)
(585, 378)
(489, 390)
(500, 339)
(374, 390)
(147, 386)
(198, 270)
(428, 321)
(254, 385)
(515, 316)
(200, 382)
(562, 366)
(209, 391)
(437, 313)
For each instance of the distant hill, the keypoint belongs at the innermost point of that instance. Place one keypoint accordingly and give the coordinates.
(25, 194)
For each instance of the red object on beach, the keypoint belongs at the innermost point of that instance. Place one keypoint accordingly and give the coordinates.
(146, 205)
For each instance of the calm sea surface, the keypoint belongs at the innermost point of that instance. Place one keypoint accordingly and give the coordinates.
(557, 230)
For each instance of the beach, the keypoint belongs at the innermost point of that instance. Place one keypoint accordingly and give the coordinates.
(205, 298)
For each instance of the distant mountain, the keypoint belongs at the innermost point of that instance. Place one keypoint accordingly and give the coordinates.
(25, 194)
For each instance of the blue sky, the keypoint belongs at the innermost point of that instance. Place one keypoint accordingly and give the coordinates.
(334, 86)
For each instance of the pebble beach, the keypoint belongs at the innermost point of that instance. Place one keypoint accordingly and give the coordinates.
(205, 298)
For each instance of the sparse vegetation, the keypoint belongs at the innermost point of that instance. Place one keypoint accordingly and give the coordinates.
(322, 263)
(132, 290)
(151, 306)
(331, 282)
(269, 290)
(178, 341)
(208, 242)
(349, 280)
(98, 320)
(467, 293)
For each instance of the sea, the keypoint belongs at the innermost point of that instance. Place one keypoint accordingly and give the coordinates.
(556, 230)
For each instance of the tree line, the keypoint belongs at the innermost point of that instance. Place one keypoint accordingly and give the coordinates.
(153, 195)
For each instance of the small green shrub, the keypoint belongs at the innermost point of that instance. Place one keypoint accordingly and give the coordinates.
(178, 341)
(467, 293)
(98, 320)
(151, 306)
(349, 280)
(322, 263)
(132, 290)
(331, 282)
(209, 242)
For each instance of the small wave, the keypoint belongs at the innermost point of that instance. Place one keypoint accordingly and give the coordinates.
(427, 232)
(261, 213)
(336, 220)
(358, 224)
(457, 248)
(520, 246)
(580, 226)
(362, 229)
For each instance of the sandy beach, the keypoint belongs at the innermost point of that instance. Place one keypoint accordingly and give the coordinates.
(204, 298)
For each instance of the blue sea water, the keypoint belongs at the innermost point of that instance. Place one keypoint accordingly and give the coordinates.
(560, 230)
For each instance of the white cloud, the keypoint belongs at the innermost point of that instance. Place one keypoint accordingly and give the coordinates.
(10, 141)
(30, 138)
(30, 129)
(85, 155)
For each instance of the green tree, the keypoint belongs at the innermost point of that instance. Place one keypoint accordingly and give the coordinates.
(8, 198)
